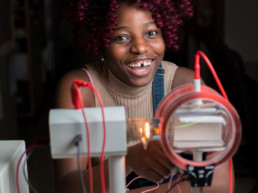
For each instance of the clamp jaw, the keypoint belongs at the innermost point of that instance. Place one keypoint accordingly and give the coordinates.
(201, 176)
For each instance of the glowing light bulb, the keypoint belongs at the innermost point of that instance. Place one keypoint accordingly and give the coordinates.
(146, 137)
(142, 130)
(147, 130)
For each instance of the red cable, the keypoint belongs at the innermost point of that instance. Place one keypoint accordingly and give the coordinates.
(87, 84)
(18, 166)
(197, 64)
(178, 186)
(197, 67)
(152, 189)
(212, 71)
(104, 142)
(78, 104)
(170, 180)
(230, 176)
(132, 181)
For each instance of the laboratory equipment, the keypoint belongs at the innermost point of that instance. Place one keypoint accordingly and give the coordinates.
(11, 151)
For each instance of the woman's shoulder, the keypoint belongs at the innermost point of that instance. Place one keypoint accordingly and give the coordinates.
(80, 73)
(63, 89)
(95, 67)
(168, 65)
(183, 76)
(69, 77)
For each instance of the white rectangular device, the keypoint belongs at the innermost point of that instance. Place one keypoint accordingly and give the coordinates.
(65, 124)
(10, 153)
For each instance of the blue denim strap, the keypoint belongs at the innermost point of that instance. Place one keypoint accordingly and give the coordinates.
(158, 94)
(158, 88)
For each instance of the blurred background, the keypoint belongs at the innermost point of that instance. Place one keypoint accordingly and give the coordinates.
(37, 48)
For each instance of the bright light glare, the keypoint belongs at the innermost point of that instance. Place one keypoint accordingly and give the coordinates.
(140, 130)
(147, 130)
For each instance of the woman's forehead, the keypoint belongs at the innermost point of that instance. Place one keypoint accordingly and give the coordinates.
(128, 13)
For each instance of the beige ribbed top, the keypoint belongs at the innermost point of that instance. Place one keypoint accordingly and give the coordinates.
(137, 101)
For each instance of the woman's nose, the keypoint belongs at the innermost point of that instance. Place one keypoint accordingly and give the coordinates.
(139, 46)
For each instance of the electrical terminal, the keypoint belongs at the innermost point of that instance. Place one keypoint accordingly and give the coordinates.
(77, 139)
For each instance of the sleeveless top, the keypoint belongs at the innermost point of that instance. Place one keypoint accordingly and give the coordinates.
(137, 101)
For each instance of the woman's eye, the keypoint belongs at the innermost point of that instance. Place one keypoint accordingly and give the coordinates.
(120, 38)
(152, 33)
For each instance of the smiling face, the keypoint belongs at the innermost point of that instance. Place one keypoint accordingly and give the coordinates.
(137, 46)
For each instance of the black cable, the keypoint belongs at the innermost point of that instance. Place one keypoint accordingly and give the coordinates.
(182, 180)
(78, 139)
(24, 171)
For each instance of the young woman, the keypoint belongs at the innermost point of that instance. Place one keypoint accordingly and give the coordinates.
(131, 36)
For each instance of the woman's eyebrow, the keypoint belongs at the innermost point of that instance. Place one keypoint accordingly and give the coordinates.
(127, 27)
(150, 23)
(121, 27)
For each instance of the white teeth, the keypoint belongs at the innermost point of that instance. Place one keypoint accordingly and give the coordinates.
(146, 63)
(139, 64)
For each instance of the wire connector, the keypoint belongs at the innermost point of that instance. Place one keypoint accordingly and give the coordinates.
(77, 139)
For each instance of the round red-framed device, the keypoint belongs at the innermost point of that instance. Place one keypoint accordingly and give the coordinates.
(186, 95)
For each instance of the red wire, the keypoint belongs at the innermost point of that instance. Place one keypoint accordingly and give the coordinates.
(152, 189)
(213, 73)
(230, 176)
(178, 186)
(197, 62)
(197, 67)
(104, 139)
(88, 137)
(102, 176)
(170, 180)
(132, 181)
(18, 166)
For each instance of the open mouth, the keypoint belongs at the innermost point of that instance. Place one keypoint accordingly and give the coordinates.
(140, 68)
(140, 63)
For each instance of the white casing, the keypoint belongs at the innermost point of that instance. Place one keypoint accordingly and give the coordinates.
(65, 124)
(10, 153)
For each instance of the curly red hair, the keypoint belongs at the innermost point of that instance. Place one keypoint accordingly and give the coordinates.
(99, 18)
